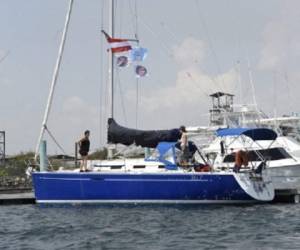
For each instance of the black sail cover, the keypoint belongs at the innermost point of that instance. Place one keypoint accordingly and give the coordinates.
(149, 138)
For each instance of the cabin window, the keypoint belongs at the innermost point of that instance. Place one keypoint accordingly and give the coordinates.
(161, 166)
(139, 166)
(229, 158)
(116, 167)
(272, 154)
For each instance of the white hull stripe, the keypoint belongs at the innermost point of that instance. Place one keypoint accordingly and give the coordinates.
(123, 179)
(118, 44)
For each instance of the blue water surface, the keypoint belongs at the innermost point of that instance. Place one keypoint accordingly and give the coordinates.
(150, 227)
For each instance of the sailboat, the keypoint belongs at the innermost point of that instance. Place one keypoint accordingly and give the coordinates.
(159, 178)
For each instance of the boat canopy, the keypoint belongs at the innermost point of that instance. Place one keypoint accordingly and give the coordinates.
(150, 138)
(255, 134)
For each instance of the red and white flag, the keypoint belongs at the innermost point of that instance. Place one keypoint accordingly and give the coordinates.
(117, 45)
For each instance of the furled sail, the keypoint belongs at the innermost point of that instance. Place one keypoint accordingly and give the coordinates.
(150, 138)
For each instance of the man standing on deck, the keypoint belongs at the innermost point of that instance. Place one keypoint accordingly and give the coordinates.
(84, 148)
(184, 145)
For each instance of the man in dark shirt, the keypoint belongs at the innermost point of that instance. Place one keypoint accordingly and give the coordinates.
(84, 148)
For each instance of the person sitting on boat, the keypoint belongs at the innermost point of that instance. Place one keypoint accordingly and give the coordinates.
(241, 159)
(84, 148)
(184, 145)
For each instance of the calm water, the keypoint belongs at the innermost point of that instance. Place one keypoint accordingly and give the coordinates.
(150, 227)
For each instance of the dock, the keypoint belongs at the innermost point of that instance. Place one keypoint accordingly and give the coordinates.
(16, 196)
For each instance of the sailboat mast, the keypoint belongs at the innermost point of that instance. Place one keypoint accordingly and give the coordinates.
(111, 58)
(111, 31)
(54, 77)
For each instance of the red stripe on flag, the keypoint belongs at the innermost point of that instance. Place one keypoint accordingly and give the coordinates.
(115, 40)
(121, 49)
(117, 44)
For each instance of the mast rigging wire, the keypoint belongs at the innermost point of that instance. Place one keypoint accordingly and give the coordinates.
(286, 80)
(54, 77)
(6, 54)
(251, 81)
(54, 140)
(164, 47)
(172, 35)
(137, 103)
(102, 77)
(135, 24)
(134, 19)
(189, 75)
(121, 96)
(137, 79)
(219, 70)
(170, 32)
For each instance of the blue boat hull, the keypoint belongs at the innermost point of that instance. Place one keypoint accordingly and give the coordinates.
(59, 187)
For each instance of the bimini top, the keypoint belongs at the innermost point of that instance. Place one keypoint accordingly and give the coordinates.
(255, 134)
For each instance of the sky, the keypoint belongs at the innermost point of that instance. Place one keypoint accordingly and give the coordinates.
(196, 47)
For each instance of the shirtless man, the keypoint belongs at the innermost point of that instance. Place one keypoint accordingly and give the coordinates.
(184, 144)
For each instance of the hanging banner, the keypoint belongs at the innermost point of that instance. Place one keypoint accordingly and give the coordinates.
(122, 61)
(138, 54)
(140, 71)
